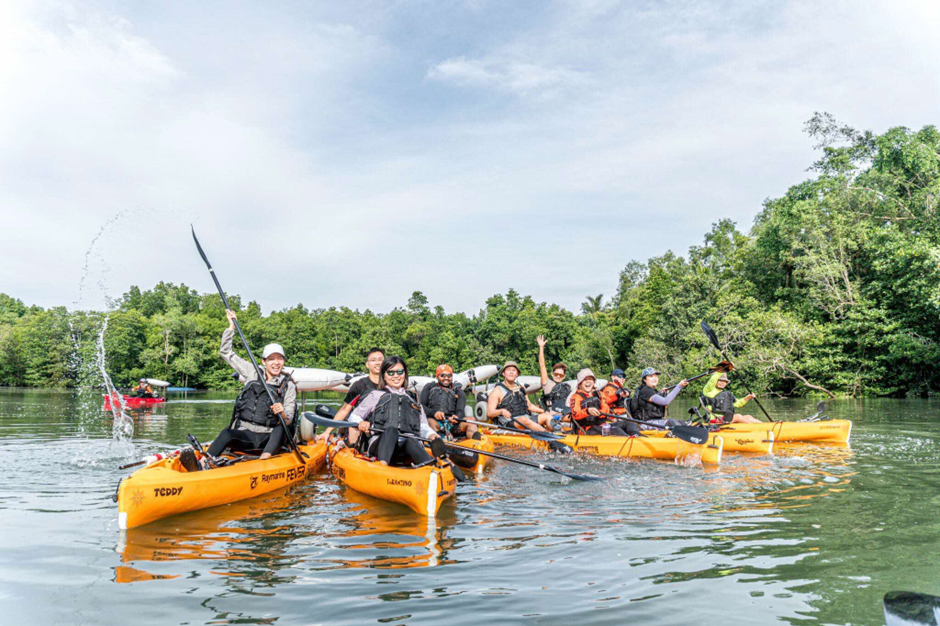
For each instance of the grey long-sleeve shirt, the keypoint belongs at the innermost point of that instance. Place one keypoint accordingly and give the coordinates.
(247, 372)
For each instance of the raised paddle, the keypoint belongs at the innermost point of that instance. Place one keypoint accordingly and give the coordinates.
(692, 434)
(724, 367)
(322, 421)
(909, 608)
(541, 436)
(714, 339)
(290, 440)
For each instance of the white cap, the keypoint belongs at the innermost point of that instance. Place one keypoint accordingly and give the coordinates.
(272, 348)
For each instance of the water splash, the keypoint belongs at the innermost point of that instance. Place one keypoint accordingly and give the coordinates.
(123, 429)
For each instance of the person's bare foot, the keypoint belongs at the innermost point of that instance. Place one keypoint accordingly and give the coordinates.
(265, 455)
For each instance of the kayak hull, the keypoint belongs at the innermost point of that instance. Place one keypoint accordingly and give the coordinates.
(165, 488)
(422, 489)
(132, 402)
(827, 431)
(754, 442)
(663, 448)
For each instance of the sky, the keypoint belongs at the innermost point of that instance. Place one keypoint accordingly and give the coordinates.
(350, 153)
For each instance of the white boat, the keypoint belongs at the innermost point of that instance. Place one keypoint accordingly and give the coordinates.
(315, 379)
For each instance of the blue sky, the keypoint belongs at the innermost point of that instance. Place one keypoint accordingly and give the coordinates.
(349, 153)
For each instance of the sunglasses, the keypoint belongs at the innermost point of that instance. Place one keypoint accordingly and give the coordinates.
(446, 376)
(398, 372)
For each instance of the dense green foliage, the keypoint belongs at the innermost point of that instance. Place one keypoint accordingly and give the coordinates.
(836, 289)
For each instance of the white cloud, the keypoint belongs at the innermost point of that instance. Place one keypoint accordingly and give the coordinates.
(320, 141)
(514, 76)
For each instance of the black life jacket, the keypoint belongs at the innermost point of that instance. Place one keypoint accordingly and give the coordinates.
(513, 401)
(442, 399)
(397, 410)
(723, 403)
(557, 398)
(646, 411)
(590, 401)
(253, 404)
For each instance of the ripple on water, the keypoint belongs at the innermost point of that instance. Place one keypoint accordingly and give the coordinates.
(793, 537)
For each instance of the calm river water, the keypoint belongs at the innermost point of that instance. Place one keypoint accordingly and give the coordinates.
(812, 535)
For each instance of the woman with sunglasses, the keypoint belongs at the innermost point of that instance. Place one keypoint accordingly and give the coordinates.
(391, 408)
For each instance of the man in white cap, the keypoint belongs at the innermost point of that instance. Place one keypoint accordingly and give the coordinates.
(255, 424)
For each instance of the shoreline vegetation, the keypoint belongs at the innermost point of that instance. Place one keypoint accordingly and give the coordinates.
(834, 291)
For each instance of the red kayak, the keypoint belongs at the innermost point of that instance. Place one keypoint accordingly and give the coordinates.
(133, 402)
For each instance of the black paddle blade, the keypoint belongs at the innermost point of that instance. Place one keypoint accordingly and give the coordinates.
(711, 335)
(557, 446)
(909, 608)
(584, 477)
(199, 247)
(325, 411)
(458, 473)
(821, 407)
(324, 421)
(693, 434)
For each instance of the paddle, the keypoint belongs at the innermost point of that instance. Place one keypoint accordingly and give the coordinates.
(541, 436)
(554, 445)
(290, 440)
(818, 415)
(714, 339)
(322, 421)
(724, 367)
(153, 458)
(908, 608)
(691, 434)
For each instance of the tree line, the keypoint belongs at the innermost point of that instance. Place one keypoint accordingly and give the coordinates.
(834, 290)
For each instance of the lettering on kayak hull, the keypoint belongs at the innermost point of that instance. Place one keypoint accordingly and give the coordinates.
(160, 492)
(398, 482)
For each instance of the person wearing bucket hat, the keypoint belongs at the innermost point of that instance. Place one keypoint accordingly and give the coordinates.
(444, 402)
(590, 412)
(255, 425)
(509, 405)
(721, 403)
(614, 394)
(648, 405)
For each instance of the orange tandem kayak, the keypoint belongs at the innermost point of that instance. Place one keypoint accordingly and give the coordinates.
(165, 488)
(421, 489)
(831, 431)
(665, 448)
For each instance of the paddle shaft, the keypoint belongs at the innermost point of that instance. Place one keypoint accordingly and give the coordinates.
(290, 440)
(341, 424)
(714, 339)
(544, 436)
(724, 366)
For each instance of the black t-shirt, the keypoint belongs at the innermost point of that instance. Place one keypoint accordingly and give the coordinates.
(359, 389)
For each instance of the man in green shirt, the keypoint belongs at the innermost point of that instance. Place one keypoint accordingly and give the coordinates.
(721, 403)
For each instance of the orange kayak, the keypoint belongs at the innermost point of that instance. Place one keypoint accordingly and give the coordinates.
(421, 489)
(165, 488)
(665, 448)
(832, 431)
